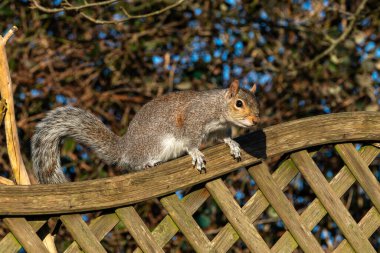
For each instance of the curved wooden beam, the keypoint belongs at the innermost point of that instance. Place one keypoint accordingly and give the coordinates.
(166, 178)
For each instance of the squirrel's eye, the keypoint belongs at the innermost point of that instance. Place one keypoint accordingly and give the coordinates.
(239, 103)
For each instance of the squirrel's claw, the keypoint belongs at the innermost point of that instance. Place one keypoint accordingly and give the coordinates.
(238, 159)
(236, 154)
(234, 148)
(198, 160)
(200, 164)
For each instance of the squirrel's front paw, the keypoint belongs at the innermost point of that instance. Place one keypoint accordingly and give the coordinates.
(234, 148)
(199, 161)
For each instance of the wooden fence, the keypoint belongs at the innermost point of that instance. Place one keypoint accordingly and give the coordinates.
(26, 209)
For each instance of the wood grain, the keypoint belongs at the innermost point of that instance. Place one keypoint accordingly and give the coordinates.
(284, 209)
(255, 206)
(315, 211)
(186, 223)
(25, 235)
(138, 229)
(360, 170)
(82, 234)
(369, 224)
(331, 202)
(178, 174)
(166, 229)
(240, 222)
(99, 227)
(9, 243)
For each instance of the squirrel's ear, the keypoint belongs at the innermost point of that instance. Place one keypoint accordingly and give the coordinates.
(253, 89)
(234, 88)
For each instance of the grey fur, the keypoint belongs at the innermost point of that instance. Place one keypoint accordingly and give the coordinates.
(163, 129)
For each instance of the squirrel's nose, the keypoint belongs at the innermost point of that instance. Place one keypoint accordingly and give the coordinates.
(254, 119)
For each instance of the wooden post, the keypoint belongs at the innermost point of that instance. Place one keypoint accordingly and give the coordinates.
(13, 144)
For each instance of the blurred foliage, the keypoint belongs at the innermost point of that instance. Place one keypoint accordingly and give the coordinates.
(62, 58)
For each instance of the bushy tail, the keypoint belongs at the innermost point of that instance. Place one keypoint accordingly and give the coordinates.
(83, 127)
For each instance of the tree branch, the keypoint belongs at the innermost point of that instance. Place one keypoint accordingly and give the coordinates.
(129, 16)
(341, 38)
(9, 34)
(70, 7)
(80, 8)
(101, 21)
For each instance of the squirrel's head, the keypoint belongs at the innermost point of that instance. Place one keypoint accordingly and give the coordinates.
(242, 106)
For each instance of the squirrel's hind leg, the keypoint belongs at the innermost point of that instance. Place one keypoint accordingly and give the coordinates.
(152, 164)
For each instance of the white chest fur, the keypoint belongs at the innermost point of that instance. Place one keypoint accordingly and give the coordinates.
(171, 148)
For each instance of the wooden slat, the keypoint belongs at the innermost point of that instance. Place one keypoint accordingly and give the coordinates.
(236, 217)
(331, 202)
(368, 224)
(25, 235)
(315, 212)
(167, 228)
(81, 233)
(255, 206)
(138, 229)
(195, 199)
(179, 174)
(9, 243)
(226, 237)
(6, 181)
(99, 227)
(360, 171)
(188, 226)
(284, 208)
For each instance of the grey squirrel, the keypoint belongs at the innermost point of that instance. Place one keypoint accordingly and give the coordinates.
(163, 129)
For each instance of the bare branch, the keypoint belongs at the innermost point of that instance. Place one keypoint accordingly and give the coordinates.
(349, 14)
(341, 38)
(152, 13)
(101, 21)
(69, 7)
(9, 34)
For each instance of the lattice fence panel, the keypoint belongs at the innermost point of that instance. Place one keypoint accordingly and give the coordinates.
(240, 226)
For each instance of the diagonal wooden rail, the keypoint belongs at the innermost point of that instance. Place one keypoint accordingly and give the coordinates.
(285, 209)
(316, 211)
(331, 202)
(238, 220)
